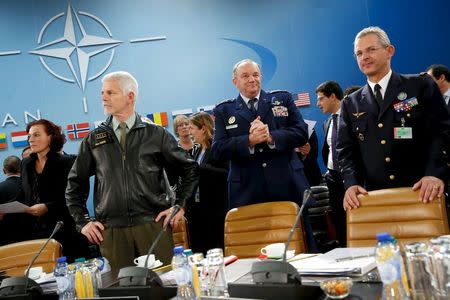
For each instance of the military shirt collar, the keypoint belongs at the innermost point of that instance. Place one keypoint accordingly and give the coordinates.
(248, 99)
(383, 83)
(130, 122)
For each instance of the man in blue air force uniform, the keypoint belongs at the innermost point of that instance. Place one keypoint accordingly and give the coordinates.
(258, 137)
(258, 132)
(394, 131)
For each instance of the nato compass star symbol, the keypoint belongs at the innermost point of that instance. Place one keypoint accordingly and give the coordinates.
(68, 44)
(77, 47)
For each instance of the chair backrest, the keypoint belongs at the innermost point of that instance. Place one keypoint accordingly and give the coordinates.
(181, 234)
(249, 228)
(14, 258)
(398, 212)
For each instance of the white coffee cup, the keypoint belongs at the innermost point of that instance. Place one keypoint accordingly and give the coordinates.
(275, 250)
(140, 261)
(35, 272)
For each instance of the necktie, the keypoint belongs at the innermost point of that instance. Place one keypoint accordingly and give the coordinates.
(123, 135)
(252, 105)
(333, 142)
(378, 95)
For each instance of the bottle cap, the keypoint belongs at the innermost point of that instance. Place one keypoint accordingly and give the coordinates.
(178, 249)
(384, 237)
(62, 259)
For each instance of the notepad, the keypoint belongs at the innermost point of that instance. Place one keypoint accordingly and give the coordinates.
(325, 264)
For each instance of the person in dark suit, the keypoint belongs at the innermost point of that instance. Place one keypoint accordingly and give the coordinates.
(441, 75)
(44, 180)
(13, 227)
(329, 96)
(308, 154)
(258, 132)
(206, 215)
(394, 131)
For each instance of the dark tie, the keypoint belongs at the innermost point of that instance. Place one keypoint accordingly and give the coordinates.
(333, 142)
(378, 95)
(252, 105)
(123, 135)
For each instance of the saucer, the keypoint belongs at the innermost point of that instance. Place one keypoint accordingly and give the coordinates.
(156, 264)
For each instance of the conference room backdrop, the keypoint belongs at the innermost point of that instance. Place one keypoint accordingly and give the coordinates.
(53, 53)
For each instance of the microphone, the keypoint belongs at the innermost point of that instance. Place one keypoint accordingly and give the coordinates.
(23, 285)
(143, 276)
(272, 271)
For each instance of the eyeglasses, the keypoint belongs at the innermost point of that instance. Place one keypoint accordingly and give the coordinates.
(371, 50)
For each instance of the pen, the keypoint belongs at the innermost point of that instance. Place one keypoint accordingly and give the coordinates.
(352, 257)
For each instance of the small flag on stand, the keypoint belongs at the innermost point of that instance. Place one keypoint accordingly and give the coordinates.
(159, 118)
(207, 109)
(19, 138)
(78, 131)
(301, 99)
(3, 142)
(187, 112)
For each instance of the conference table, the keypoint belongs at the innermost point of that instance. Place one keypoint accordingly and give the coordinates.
(241, 286)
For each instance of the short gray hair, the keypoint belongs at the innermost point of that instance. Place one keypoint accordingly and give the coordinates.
(241, 62)
(11, 164)
(125, 80)
(380, 33)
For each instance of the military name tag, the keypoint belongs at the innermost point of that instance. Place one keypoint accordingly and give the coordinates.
(101, 139)
(402, 133)
(231, 126)
(280, 111)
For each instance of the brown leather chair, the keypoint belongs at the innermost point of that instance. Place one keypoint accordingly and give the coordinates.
(398, 212)
(14, 258)
(249, 228)
(181, 234)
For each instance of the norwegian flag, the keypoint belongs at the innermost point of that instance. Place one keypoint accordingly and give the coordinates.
(301, 99)
(78, 131)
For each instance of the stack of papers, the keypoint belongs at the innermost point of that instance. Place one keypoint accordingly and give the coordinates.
(338, 262)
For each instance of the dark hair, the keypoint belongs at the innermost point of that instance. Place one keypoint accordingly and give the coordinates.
(351, 89)
(330, 87)
(438, 70)
(25, 149)
(57, 137)
(11, 164)
(204, 120)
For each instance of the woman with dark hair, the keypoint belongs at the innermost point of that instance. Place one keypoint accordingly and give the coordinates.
(44, 180)
(206, 215)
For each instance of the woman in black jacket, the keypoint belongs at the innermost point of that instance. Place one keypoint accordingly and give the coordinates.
(206, 215)
(44, 180)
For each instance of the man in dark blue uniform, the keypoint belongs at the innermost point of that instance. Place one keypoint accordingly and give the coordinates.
(258, 137)
(394, 131)
(258, 132)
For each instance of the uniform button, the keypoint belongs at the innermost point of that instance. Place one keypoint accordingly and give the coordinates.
(387, 159)
(261, 149)
(380, 125)
(264, 165)
(391, 177)
(408, 115)
(357, 128)
(383, 142)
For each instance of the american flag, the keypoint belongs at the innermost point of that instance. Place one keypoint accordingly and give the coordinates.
(301, 99)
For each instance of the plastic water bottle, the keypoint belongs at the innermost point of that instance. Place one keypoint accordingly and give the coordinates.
(182, 273)
(195, 276)
(63, 279)
(389, 263)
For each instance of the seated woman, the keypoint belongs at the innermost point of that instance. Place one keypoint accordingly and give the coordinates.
(206, 215)
(44, 180)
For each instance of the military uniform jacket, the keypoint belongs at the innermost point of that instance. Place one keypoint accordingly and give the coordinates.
(267, 174)
(368, 152)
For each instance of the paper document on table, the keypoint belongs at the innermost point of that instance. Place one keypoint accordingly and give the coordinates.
(13, 207)
(311, 125)
(358, 261)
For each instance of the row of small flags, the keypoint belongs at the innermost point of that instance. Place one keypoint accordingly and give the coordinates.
(80, 130)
